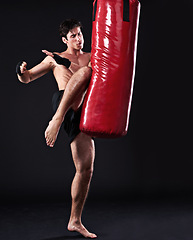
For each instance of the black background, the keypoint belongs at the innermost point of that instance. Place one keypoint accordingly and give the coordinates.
(155, 157)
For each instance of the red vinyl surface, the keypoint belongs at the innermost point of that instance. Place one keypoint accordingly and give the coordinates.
(107, 103)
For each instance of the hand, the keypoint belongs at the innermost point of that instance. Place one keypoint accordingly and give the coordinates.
(48, 53)
(58, 59)
(21, 68)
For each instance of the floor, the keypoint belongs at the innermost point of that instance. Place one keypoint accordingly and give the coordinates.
(139, 219)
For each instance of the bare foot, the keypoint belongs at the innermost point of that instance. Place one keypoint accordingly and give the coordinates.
(78, 227)
(51, 132)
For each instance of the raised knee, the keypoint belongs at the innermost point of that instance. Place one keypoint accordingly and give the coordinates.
(86, 72)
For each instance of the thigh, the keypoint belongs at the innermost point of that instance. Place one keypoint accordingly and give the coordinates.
(83, 75)
(83, 152)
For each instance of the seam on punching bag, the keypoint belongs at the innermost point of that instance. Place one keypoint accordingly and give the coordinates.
(95, 8)
(126, 10)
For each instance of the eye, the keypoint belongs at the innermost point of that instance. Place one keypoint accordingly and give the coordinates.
(73, 36)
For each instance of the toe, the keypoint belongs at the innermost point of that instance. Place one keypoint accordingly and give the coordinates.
(92, 235)
(48, 141)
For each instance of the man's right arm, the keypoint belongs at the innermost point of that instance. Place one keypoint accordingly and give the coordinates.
(26, 76)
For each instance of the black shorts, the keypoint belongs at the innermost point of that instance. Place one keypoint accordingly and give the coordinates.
(72, 119)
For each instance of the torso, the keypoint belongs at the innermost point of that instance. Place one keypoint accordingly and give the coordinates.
(63, 75)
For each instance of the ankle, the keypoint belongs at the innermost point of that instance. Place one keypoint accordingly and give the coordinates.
(58, 118)
(75, 221)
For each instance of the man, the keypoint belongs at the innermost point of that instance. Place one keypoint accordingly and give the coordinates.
(72, 71)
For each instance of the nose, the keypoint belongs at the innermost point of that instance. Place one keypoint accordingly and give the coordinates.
(78, 38)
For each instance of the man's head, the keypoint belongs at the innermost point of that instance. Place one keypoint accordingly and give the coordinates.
(70, 31)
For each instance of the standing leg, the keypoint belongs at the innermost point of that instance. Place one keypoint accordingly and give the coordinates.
(75, 89)
(83, 153)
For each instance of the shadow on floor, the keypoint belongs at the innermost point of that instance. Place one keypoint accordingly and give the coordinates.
(78, 236)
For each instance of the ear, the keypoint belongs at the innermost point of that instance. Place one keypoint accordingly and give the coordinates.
(64, 40)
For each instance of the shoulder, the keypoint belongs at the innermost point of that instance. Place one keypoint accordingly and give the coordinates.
(49, 61)
(88, 54)
(62, 54)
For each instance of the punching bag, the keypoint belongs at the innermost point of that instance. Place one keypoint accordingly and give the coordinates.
(107, 103)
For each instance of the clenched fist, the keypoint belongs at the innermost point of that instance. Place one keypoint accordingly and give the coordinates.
(21, 68)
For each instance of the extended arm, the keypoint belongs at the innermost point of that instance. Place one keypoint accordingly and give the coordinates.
(26, 76)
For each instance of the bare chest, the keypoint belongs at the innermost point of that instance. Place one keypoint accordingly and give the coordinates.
(63, 75)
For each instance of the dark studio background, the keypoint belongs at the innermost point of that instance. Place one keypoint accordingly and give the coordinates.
(154, 159)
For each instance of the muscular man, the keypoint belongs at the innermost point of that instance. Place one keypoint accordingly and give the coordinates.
(72, 72)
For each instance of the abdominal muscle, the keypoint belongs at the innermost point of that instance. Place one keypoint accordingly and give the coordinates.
(62, 76)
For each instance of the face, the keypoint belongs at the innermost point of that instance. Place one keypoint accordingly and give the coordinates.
(75, 39)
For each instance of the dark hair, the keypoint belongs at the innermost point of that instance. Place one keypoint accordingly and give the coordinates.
(68, 25)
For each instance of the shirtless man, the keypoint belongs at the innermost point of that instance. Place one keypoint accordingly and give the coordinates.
(72, 71)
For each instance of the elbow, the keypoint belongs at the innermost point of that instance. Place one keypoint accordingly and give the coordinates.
(26, 82)
(23, 80)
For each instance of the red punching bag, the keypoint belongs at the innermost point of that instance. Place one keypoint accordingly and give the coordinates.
(107, 102)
